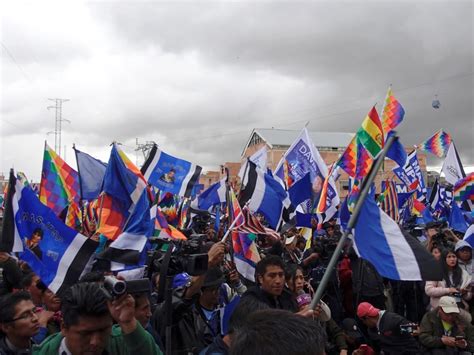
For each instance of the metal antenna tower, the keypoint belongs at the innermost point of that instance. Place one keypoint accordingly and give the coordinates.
(58, 122)
(144, 148)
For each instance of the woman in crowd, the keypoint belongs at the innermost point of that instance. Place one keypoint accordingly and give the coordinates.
(456, 282)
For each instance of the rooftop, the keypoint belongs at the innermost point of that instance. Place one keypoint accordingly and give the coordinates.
(285, 137)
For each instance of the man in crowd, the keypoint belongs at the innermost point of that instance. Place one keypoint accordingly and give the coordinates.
(275, 331)
(442, 332)
(143, 315)
(88, 325)
(271, 290)
(389, 330)
(238, 319)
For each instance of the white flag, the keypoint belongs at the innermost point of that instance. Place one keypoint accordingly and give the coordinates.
(452, 166)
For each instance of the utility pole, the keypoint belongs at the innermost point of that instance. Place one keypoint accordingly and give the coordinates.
(58, 122)
(144, 148)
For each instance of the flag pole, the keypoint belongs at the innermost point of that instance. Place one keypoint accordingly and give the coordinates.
(352, 221)
(224, 238)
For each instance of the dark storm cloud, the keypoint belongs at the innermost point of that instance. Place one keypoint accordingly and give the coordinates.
(197, 77)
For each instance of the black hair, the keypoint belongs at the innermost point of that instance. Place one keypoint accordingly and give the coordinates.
(38, 231)
(93, 276)
(243, 310)
(275, 332)
(271, 260)
(8, 303)
(83, 299)
(27, 280)
(290, 273)
(457, 271)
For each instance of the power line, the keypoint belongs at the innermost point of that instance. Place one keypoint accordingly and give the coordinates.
(16, 62)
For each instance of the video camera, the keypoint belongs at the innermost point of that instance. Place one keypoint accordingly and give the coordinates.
(114, 288)
(187, 256)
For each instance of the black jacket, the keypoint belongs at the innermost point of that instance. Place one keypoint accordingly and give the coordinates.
(285, 301)
(5, 350)
(190, 332)
(390, 338)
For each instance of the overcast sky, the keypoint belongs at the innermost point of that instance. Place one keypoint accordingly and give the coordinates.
(197, 77)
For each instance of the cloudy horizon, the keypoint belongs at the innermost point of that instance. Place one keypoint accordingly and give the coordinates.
(197, 77)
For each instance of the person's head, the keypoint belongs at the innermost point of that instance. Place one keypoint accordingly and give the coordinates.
(294, 278)
(450, 258)
(243, 310)
(142, 308)
(171, 173)
(436, 252)
(271, 275)
(274, 331)
(28, 283)
(301, 244)
(463, 251)
(87, 323)
(352, 333)
(18, 318)
(211, 287)
(36, 236)
(431, 229)
(51, 301)
(329, 228)
(448, 310)
(450, 267)
(368, 314)
(317, 184)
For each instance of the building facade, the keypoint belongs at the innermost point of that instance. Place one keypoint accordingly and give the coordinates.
(329, 144)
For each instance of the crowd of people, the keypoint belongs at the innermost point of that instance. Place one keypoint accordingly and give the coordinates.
(217, 311)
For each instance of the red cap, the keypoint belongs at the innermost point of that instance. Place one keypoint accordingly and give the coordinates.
(365, 309)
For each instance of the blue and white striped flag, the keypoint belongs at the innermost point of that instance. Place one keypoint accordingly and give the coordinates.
(469, 235)
(61, 255)
(395, 255)
(169, 173)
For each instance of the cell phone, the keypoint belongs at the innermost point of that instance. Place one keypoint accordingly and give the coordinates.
(459, 337)
(363, 347)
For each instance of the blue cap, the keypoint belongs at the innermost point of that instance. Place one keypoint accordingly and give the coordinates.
(181, 280)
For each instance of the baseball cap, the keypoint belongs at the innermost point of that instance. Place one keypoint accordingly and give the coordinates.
(448, 304)
(365, 309)
(350, 327)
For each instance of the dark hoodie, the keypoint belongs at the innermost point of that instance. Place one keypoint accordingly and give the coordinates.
(285, 301)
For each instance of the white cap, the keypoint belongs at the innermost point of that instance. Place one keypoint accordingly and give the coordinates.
(448, 304)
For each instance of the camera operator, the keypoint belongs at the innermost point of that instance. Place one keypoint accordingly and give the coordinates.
(188, 310)
(87, 325)
(392, 332)
(437, 235)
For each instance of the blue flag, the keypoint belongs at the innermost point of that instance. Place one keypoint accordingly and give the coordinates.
(170, 174)
(411, 175)
(58, 254)
(264, 195)
(344, 214)
(456, 218)
(213, 195)
(394, 254)
(397, 152)
(91, 175)
(124, 183)
(300, 191)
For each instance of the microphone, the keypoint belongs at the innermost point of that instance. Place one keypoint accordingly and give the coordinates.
(303, 299)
